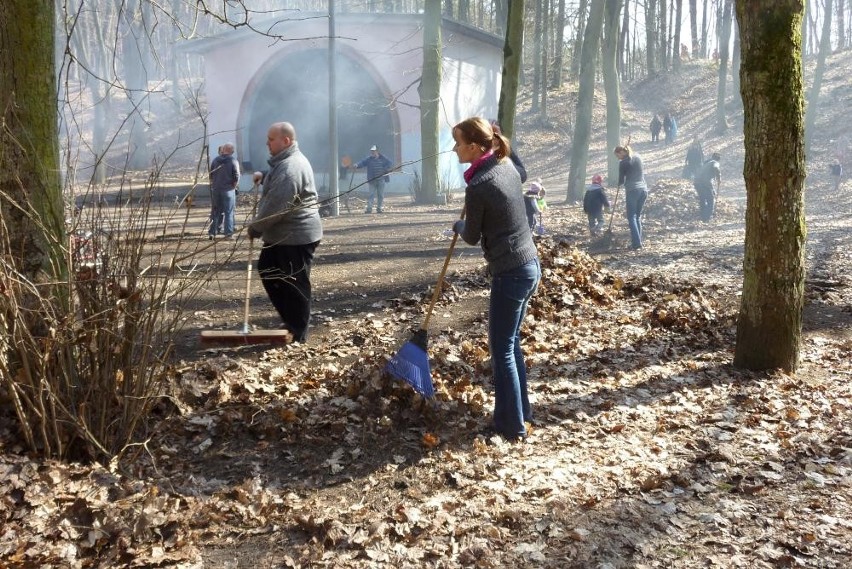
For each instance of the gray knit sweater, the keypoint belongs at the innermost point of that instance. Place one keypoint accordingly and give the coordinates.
(287, 213)
(495, 214)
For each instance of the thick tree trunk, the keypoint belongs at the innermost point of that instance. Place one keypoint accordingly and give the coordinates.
(813, 95)
(770, 320)
(512, 51)
(704, 27)
(30, 190)
(585, 98)
(841, 24)
(430, 93)
(611, 86)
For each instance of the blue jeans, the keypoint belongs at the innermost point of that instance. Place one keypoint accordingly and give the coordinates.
(377, 190)
(222, 213)
(635, 200)
(510, 294)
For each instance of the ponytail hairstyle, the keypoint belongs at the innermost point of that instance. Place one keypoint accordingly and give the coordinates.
(479, 131)
(626, 149)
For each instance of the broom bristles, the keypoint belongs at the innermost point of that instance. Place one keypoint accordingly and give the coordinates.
(411, 365)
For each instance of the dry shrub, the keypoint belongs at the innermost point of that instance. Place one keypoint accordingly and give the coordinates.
(85, 358)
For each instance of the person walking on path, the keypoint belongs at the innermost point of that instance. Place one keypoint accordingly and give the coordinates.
(670, 127)
(595, 201)
(694, 159)
(289, 223)
(655, 127)
(378, 167)
(631, 175)
(836, 173)
(224, 177)
(495, 217)
(709, 173)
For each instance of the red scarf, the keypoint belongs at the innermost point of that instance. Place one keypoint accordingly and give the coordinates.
(474, 166)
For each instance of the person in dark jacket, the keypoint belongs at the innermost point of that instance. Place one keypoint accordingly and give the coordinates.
(836, 173)
(631, 175)
(694, 159)
(709, 173)
(224, 177)
(495, 217)
(656, 125)
(594, 202)
(378, 167)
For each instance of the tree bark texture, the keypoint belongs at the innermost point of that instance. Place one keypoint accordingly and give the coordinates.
(611, 85)
(31, 201)
(651, 35)
(585, 98)
(512, 52)
(678, 9)
(770, 320)
(430, 93)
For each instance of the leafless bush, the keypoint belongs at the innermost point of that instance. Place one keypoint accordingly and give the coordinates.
(84, 359)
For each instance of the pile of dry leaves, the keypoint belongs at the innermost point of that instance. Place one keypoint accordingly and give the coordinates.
(646, 447)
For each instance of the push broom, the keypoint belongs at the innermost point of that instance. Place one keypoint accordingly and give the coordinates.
(246, 336)
(411, 363)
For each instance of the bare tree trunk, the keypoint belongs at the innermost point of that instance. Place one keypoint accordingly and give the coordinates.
(31, 212)
(704, 28)
(430, 93)
(585, 99)
(841, 28)
(663, 37)
(770, 321)
(545, 42)
(537, 55)
(512, 52)
(651, 35)
(735, 64)
(678, 9)
(813, 95)
(693, 27)
(577, 53)
(721, 116)
(560, 46)
(611, 87)
(624, 41)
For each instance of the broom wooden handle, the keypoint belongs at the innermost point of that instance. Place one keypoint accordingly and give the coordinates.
(246, 329)
(440, 284)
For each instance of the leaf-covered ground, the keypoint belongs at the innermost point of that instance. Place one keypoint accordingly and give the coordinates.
(648, 448)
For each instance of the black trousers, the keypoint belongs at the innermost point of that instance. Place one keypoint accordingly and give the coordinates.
(285, 271)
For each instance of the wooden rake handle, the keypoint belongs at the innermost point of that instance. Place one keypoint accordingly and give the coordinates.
(440, 284)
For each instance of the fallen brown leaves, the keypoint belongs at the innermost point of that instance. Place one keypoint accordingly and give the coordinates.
(647, 450)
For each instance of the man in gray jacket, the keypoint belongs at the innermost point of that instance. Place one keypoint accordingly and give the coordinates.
(289, 223)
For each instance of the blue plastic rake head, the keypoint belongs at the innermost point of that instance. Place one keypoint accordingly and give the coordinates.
(411, 365)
